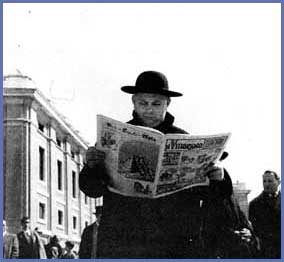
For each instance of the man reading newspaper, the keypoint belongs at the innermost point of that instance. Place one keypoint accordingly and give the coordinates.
(166, 227)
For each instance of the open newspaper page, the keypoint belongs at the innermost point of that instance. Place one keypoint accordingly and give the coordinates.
(184, 159)
(143, 162)
(132, 155)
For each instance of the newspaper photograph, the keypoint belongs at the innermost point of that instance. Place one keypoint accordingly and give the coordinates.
(143, 162)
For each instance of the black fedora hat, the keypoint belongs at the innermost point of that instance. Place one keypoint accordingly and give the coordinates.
(151, 82)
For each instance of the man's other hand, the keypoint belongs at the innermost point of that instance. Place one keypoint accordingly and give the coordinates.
(214, 172)
(245, 234)
(94, 157)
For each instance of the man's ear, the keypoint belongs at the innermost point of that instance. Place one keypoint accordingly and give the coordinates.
(168, 101)
(133, 99)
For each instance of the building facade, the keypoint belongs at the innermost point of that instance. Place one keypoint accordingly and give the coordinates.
(241, 193)
(42, 158)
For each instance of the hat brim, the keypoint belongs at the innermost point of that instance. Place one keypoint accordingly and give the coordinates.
(224, 155)
(25, 221)
(135, 90)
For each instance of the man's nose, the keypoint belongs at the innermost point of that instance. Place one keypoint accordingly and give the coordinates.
(149, 108)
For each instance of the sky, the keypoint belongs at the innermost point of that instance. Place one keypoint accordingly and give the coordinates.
(224, 58)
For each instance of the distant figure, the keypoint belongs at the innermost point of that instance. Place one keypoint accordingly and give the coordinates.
(69, 253)
(265, 215)
(10, 243)
(53, 249)
(30, 244)
(88, 245)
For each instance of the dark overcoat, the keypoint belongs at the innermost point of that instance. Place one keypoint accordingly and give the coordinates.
(132, 227)
(30, 247)
(265, 216)
(222, 217)
(88, 244)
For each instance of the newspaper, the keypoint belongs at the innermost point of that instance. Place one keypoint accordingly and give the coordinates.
(143, 162)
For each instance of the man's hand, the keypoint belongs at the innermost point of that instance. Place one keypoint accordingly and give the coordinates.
(245, 234)
(94, 157)
(214, 172)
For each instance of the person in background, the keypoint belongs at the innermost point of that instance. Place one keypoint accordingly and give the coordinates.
(88, 244)
(132, 227)
(40, 233)
(52, 252)
(30, 244)
(69, 253)
(10, 243)
(265, 215)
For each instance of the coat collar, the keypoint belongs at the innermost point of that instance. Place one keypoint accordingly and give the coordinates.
(270, 195)
(165, 125)
(32, 236)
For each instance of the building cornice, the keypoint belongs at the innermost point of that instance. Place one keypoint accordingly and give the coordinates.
(38, 100)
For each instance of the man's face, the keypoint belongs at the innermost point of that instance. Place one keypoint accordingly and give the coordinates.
(270, 183)
(26, 225)
(151, 108)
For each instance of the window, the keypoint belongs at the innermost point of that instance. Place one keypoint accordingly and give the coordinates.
(74, 184)
(41, 163)
(60, 217)
(59, 175)
(86, 200)
(41, 211)
(58, 142)
(41, 127)
(72, 154)
(74, 223)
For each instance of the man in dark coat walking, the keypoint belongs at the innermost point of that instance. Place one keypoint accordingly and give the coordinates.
(265, 215)
(88, 244)
(132, 227)
(30, 244)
